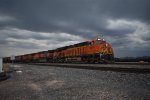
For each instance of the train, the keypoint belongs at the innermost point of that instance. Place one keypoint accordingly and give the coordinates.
(93, 51)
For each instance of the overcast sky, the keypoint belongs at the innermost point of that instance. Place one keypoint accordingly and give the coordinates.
(28, 26)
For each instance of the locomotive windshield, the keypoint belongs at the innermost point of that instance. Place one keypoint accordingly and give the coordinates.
(100, 42)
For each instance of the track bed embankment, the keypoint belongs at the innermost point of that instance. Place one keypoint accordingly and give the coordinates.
(126, 67)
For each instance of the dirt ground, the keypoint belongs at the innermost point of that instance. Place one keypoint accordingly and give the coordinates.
(31, 82)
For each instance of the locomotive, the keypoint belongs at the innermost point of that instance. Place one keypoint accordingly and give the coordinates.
(97, 50)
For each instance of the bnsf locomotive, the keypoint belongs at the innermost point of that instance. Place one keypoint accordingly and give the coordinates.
(97, 50)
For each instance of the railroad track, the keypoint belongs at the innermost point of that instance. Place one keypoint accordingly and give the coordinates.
(123, 67)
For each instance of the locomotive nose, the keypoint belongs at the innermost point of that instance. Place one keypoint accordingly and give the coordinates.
(107, 53)
(108, 49)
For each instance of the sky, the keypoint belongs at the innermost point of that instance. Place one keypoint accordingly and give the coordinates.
(28, 26)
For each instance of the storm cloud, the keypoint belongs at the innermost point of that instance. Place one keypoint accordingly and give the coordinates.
(34, 25)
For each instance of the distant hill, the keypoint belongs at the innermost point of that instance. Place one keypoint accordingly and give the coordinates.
(133, 59)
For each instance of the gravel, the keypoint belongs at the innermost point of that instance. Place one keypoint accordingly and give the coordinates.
(31, 82)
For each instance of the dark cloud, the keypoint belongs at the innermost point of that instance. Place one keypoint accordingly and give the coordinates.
(115, 20)
(46, 15)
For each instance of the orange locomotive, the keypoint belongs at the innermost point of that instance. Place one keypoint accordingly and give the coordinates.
(97, 50)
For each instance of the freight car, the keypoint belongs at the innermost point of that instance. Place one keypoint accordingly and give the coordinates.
(97, 50)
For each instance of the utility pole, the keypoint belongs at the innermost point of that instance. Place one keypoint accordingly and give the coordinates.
(1, 64)
(12, 58)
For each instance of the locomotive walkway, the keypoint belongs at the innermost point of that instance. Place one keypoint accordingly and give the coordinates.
(125, 67)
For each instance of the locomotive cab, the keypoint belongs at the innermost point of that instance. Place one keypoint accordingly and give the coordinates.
(105, 50)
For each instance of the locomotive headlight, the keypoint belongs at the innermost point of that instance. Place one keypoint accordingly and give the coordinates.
(106, 45)
(98, 39)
